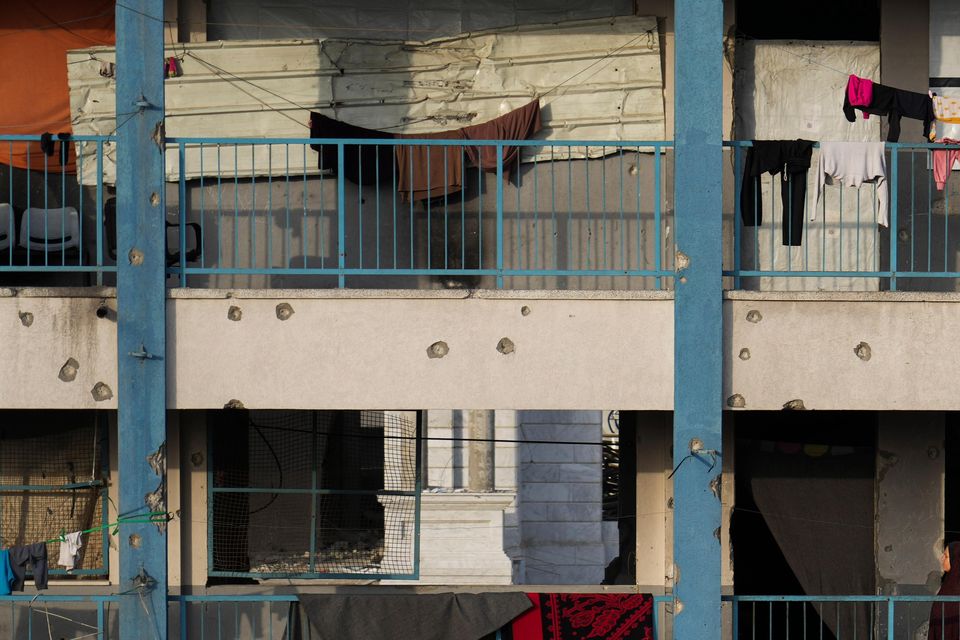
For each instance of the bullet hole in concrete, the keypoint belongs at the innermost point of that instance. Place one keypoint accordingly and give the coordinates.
(506, 346)
(68, 372)
(716, 534)
(888, 548)
(933, 453)
(156, 500)
(284, 311)
(794, 405)
(26, 318)
(682, 261)
(135, 540)
(101, 392)
(736, 401)
(155, 199)
(863, 351)
(744, 354)
(678, 605)
(633, 170)
(438, 349)
(234, 404)
(716, 486)
(683, 279)
(754, 316)
(903, 234)
(234, 313)
(135, 257)
(196, 458)
(102, 310)
(669, 503)
(524, 310)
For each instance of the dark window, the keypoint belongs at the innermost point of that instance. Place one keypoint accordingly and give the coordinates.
(809, 20)
(313, 494)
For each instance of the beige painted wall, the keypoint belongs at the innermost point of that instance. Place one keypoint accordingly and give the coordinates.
(368, 349)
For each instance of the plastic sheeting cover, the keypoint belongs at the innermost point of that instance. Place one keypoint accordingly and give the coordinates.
(596, 79)
(788, 90)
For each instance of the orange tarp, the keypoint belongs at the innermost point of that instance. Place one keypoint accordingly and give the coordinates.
(35, 36)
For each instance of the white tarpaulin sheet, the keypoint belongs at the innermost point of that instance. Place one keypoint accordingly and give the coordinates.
(596, 80)
(786, 90)
(789, 90)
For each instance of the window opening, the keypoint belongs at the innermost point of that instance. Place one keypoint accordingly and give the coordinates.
(314, 494)
(53, 471)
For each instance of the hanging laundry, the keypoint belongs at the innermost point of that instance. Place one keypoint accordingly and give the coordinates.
(852, 164)
(69, 548)
(34, 555)
(575, 616)
(6, 573)
(947, 114)
(790, 159)
(366, 164)
(438, 170)
(423, 171)
(859, 94)
(943, 160)
(895, 104)
(428, 171)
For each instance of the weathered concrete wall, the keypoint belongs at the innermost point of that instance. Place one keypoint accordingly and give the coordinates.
(841, 351)
(910, 501)
(407, 351)
(57, 353)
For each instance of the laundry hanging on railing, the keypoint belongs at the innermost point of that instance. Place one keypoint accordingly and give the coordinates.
(15, 560)
(888, 101)
(423, 171)
(851, 164)
(790, 159)
(425, 616)
(570, 616)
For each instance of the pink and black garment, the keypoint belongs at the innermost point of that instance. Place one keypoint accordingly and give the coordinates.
(585, 616)
(893, 103)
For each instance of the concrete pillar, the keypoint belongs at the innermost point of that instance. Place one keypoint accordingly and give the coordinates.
(141, 331)
(480, 430)
(910, 501)
(698, 320)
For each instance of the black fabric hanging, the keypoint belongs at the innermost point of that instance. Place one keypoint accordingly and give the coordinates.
(790, 159)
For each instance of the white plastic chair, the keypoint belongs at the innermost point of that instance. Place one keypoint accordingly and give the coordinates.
(6, 219)
(50, 230)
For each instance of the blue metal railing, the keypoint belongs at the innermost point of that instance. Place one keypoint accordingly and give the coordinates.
(844, 241)
(837, 617)
(44, 616)
(48, 223)
(558, 218)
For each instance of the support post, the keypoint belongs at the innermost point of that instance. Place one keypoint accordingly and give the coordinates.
(141, 339)
(481, 431)
(698, 324)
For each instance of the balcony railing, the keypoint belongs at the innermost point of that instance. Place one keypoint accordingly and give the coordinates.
(839, 617)
(289, 213)
(840, 245)
(577, 214)
(51, 228)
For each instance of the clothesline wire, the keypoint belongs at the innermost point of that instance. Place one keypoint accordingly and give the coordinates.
(437, 438)
(153, 518)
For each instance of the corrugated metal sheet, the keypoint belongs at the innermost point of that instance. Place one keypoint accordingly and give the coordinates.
(597, 79)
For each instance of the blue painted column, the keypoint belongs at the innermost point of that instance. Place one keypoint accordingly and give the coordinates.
(698, 323)
(141, 338)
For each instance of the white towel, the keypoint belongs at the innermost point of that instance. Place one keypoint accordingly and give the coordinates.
(69, 547)
(852, 164)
